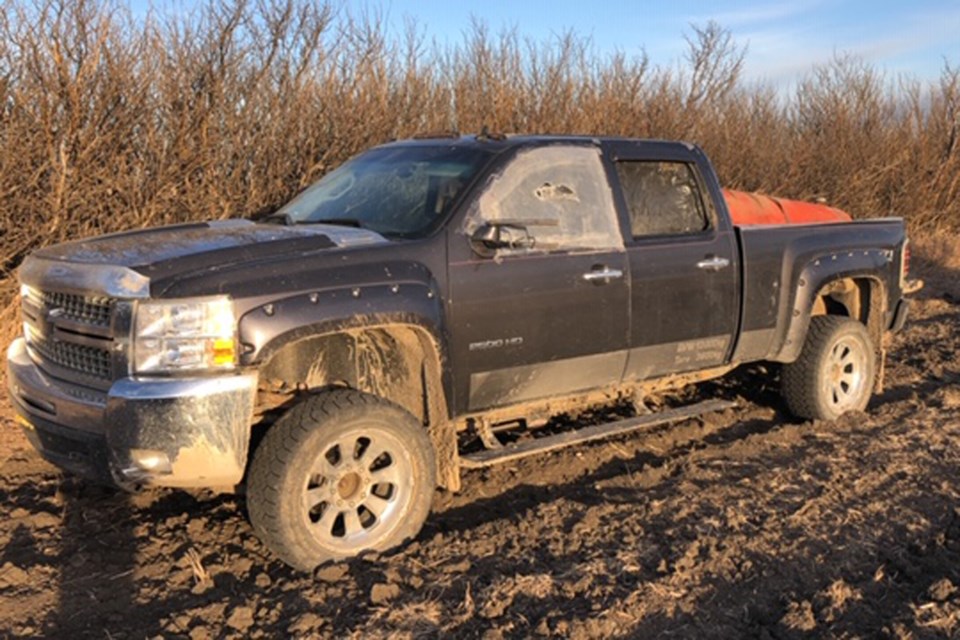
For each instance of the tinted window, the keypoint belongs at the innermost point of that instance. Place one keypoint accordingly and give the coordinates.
(557, 197)
(663, 198)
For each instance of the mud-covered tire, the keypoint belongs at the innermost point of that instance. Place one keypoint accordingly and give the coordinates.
(341, 473)
(835, 372)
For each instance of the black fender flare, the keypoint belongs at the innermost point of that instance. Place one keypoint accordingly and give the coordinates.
(273, 326)
(819, 272)
(296, 328)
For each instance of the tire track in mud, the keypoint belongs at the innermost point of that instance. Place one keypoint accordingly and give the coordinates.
(743, 523)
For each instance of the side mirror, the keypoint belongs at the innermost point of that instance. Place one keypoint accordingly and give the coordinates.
(492, 236)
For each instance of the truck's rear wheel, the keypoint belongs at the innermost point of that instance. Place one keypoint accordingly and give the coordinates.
(341, 473)
(835, 371)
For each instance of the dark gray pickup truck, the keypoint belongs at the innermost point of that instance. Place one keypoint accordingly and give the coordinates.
(335, 358)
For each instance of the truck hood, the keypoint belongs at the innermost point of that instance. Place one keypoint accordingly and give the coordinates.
(168, 252)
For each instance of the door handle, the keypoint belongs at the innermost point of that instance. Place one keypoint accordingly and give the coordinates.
(602, 275)
(713, 263)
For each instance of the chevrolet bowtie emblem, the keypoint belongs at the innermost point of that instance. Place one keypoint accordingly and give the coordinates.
(46, 319)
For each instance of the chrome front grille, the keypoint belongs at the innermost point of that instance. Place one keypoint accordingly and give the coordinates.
(94, 310)
(91, 361)
(69, 333)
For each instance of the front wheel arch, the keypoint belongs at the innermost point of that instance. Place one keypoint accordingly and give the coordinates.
(399, 361)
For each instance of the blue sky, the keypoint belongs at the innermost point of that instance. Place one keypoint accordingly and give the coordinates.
(784, 39)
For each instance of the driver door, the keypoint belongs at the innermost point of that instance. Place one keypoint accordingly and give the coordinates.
(541, 308)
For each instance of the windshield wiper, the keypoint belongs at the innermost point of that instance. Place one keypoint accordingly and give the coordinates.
(287, 220)
(278, 218)
(340, 222)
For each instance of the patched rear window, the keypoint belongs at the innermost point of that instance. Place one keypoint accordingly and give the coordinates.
(663, 198)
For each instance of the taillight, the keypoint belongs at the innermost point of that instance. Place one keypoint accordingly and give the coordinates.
(907, 286)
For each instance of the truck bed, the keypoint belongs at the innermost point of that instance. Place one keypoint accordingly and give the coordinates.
(780, 264)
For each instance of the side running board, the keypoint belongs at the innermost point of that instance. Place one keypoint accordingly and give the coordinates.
(507, 453)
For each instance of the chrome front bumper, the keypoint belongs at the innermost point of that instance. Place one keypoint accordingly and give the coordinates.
(176, 432)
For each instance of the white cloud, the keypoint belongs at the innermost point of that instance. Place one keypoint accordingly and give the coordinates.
(783, 53)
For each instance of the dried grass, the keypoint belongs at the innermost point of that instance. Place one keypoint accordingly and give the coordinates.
(936, 260)
(200, 575)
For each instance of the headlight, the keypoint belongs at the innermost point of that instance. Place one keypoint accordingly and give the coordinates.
(29, 293)
(185, 334)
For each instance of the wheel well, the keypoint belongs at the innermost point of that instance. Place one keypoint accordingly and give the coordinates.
(397, 362)
(858, 298)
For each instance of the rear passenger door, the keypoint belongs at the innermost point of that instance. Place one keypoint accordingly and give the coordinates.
(684, 267)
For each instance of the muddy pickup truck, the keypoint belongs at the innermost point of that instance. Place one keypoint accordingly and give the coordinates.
(341, 358)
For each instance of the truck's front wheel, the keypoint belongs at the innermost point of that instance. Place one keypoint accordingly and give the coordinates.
(835, 371)
(341, 473)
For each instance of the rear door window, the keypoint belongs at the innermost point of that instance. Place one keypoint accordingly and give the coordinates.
(663, 198)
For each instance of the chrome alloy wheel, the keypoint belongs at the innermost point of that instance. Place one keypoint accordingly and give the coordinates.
(845, 374)
(357, 487)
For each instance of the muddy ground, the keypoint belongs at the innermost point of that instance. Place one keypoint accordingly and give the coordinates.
(744, 524)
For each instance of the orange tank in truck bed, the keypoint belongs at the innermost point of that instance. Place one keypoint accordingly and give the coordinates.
(748, 209)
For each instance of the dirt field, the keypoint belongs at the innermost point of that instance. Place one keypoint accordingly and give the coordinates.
(745, 524)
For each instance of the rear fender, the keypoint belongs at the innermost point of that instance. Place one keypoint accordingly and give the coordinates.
(818, 274)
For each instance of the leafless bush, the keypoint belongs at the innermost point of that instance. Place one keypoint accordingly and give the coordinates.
(109, 121)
